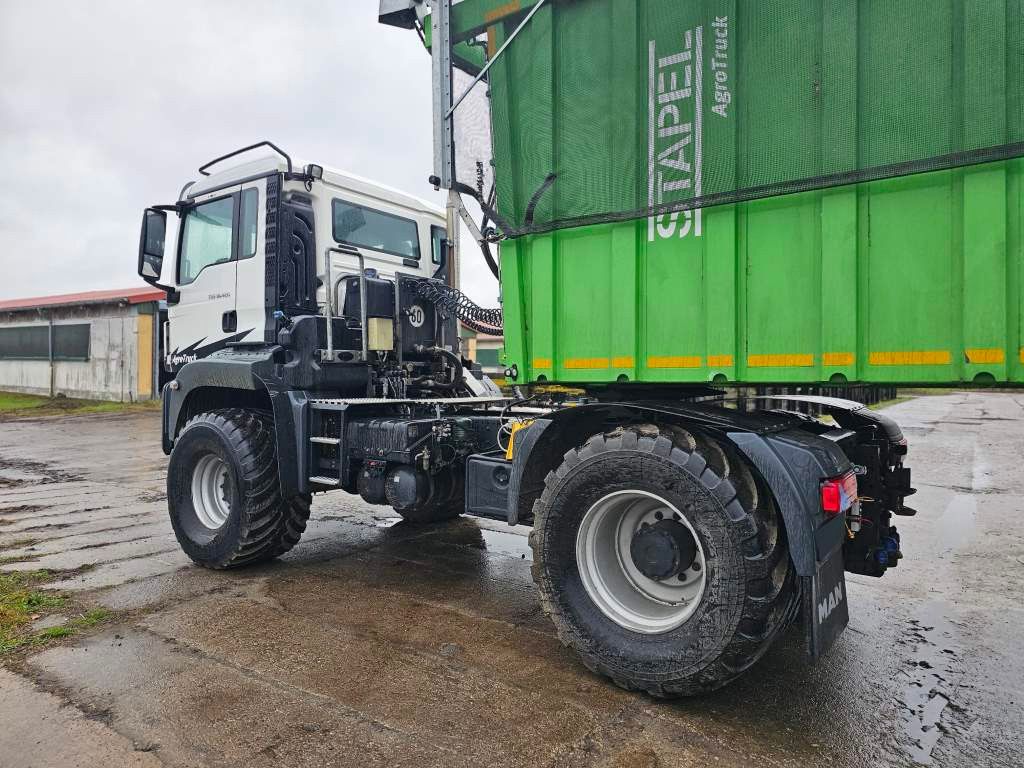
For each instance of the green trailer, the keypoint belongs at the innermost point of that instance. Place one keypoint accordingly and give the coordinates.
(686, 194)
(719, 191)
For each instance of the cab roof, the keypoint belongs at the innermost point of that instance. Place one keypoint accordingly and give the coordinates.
(261, 166)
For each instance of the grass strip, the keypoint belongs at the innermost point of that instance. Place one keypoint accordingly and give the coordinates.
(22, 603)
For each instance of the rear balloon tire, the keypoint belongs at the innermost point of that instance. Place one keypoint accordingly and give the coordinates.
(669, 635)
(224, 493)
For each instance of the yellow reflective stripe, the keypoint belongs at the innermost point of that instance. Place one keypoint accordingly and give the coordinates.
(516, 426)
(837, 358)
(985, 355)
(495, 15)
(501, 11)
(674, 362)
(622, 362)
(542, 362)
(780, 361)
(720, 361)
(921, 357)
(586, 362)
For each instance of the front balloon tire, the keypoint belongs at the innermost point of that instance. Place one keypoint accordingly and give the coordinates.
(223, 491)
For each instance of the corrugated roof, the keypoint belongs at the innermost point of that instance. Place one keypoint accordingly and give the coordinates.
(129, 295)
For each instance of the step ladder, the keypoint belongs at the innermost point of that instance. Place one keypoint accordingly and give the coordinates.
(324, 450)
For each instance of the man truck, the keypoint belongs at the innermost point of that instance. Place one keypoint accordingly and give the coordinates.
(313, 336)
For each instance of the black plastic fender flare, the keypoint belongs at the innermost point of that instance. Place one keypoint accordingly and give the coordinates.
(793, 464)
(239, 370)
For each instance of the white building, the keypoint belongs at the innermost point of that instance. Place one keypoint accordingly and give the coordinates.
(485, 350)
(100, 345)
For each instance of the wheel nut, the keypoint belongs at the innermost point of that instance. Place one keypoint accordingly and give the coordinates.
(663, 550)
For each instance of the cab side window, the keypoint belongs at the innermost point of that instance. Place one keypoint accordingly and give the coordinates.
(247, 223)
(379, 231)
(206, 238)
(437, 238)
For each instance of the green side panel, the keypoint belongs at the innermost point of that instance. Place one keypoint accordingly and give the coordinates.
(914, 279)
(908, 280)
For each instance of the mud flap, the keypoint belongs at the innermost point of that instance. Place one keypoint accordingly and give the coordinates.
(825, 609)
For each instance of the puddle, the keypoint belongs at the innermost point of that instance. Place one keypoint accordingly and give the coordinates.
(957, 522)
(501, 543)
(929, 676)
(981, 474)
(11, 477)
(19, 472)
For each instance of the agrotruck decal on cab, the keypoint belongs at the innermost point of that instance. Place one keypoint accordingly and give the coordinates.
(197, 350)
(676, 125)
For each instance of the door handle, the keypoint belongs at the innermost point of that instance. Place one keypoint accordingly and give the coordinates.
(229, 321)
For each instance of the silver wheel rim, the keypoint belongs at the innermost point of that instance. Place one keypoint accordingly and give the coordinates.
(613, 581)
(211, 492)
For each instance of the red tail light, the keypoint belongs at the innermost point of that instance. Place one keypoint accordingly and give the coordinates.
(838, 494)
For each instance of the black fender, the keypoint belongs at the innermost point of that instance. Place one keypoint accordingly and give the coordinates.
(792, 462)
(847, 413)
(241, 377)
(525, 443)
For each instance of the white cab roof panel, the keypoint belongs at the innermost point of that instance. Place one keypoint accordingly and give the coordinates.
(233, 174)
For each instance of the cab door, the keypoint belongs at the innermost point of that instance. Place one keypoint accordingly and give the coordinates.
(250, 276)
(204, 318)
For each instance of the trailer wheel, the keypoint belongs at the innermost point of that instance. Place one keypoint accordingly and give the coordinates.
(223, 491)
(652, 568)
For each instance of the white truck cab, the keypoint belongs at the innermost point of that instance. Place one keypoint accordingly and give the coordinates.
(244, 222)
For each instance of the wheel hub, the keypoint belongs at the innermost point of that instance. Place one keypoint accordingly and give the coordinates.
(640, 561)
(211, 493)
(663, 550)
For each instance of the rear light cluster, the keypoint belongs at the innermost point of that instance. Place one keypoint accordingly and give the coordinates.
(838, 494)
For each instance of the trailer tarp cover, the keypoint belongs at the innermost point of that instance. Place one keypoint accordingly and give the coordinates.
(607, 110)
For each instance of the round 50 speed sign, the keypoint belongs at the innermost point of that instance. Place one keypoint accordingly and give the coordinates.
(416, 316)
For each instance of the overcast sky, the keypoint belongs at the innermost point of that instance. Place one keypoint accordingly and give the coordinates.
(106, 107)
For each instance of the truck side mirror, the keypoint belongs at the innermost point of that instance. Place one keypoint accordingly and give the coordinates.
(151, 245)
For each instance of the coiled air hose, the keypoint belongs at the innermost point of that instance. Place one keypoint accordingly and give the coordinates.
(455, 302)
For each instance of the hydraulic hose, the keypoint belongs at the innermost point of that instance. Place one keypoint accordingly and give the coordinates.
(427, 381)
(485, 206)
(491, 263)
(485, 247)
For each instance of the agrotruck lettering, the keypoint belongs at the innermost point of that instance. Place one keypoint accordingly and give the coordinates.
(675, 149)
(720, 66)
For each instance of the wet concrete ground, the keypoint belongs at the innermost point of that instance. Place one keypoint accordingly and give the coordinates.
(376, 643)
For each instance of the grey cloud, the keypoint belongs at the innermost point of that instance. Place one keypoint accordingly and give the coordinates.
(106, 107)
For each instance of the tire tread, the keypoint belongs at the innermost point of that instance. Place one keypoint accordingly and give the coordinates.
(270, 524)
(764, 614)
